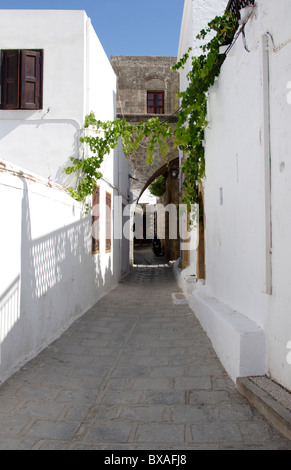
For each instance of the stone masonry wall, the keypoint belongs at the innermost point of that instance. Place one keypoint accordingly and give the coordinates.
(138, 74)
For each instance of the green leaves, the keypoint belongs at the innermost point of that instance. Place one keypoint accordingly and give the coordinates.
(102, 137)
(182, 61)
(192, 122)
(158, 187)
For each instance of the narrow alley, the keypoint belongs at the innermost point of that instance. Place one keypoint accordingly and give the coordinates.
(136, 372)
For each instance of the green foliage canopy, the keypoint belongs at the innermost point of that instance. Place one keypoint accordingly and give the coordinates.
(158, 187)
(189, 132)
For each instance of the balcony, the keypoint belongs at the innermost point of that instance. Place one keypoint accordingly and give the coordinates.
(234, 6)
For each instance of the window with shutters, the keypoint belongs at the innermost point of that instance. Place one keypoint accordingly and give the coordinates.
(155, 102)
(21, 79)
(108, 222)
(96, 221)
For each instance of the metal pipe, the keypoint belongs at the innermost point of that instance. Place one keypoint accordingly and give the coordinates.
(267, 163)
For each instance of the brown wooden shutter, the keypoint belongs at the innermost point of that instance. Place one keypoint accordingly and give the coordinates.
(96, 221)
(108, 222)
(31, 80)
(10, 67)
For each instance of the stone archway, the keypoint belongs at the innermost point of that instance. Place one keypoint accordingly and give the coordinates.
(165, 168)
(142, 175)
(137, 78)
(150, 215)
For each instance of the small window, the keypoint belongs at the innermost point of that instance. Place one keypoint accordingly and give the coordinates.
(21, 79)
(96, 221)
(155, 102)
(108, 222)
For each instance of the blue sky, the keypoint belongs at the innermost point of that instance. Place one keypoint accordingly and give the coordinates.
(124, 27)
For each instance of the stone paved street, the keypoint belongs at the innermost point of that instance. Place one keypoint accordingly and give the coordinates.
(135, 372)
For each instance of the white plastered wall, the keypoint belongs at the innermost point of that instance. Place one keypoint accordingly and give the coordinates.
(196, 16)
(49, 276)
(246, 315)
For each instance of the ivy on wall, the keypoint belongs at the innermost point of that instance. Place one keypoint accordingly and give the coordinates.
(189, 132)
(192, 116)
(158, 187)
(104, 137)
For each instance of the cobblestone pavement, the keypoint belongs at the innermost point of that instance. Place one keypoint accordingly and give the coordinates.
(136, 372)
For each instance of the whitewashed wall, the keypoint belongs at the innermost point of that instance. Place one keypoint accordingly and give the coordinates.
(275, 19)
(48, 275)
(101, 98)
(36, 139)
(250, 326)
(196, 16)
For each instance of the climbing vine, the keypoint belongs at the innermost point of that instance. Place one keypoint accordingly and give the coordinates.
(192, 116)
(158, 187)
(104, 137)
(189, 132)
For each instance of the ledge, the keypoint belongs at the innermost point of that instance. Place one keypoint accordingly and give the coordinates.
(239, 343)
(268, 397)
(145, 117)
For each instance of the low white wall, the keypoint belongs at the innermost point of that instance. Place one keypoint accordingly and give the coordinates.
(239, 343)
(48, 276)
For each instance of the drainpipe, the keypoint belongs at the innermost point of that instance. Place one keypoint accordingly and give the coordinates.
(267, 162)
(86, 95)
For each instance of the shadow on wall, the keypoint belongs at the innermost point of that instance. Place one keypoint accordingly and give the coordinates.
(59, 280)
